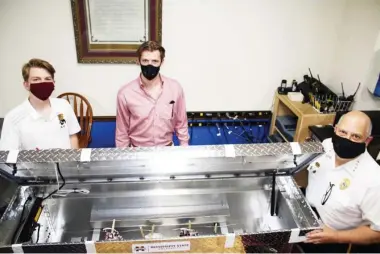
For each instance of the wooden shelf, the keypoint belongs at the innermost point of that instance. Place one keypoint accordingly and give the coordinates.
(279, 132)
(306, 114)
(298, 108)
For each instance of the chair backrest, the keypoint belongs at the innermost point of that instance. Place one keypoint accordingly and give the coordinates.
(83, 110)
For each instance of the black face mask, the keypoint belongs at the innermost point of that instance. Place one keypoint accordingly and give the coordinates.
(150, 71)
(347, 149)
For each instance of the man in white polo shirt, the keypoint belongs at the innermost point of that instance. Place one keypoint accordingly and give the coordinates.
(344, 189)
(40, 122)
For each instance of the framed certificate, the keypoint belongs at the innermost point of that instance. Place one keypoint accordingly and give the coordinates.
(110, 31)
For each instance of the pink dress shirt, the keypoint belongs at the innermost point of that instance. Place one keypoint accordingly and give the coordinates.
(144, 121)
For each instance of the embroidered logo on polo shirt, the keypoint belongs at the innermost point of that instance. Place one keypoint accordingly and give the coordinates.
(344, 184)
(62, 120)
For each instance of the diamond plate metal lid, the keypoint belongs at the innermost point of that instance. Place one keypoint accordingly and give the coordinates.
(162, 161)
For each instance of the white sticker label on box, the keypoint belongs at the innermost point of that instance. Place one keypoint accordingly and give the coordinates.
(85, 154)
(296, 148)
(229, 150)
(90, 246)
(295, 236)
(230, 241)
(17, 248)
(12, 156)
(161, 247)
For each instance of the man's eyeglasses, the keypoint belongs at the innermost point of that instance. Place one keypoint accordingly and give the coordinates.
(327, 195)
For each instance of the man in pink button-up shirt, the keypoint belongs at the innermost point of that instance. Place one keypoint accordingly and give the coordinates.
(151, 107)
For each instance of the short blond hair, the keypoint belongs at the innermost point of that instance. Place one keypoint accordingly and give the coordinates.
(37, 63)
(151, 46)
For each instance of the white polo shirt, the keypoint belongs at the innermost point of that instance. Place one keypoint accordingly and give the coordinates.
(25, 129)
(355, 193)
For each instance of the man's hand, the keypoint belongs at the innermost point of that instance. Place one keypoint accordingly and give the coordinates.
(327, 235)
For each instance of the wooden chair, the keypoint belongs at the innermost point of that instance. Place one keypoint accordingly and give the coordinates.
(83, 111)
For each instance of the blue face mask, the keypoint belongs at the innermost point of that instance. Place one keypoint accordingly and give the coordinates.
(347, 149)
(150, 71)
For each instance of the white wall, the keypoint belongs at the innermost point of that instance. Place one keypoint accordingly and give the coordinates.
(228, 55)
(356, 59)
(366, 100)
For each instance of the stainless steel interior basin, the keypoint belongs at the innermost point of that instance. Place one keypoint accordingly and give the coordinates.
(234, 205)
(235, 198)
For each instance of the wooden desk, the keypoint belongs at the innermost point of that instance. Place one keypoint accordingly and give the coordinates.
(307, 116)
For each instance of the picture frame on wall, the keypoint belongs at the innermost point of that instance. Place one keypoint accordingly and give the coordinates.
(110, 31)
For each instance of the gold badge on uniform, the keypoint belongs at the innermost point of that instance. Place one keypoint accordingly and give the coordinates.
(344, 184)
(317, 165)
(62, 120)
